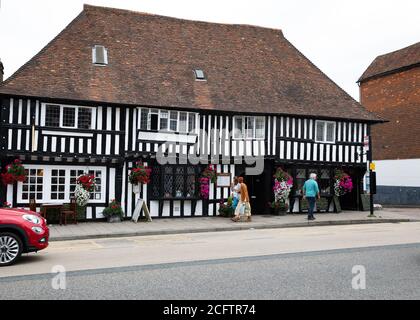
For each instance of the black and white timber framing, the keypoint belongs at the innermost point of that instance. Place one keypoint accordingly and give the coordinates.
(115, 141)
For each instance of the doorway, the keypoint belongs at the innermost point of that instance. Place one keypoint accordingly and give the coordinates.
(259, 188)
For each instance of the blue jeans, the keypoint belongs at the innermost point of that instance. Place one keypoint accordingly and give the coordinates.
(235, 202)
(311, 201)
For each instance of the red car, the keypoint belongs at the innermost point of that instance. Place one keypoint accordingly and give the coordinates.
(21, 231)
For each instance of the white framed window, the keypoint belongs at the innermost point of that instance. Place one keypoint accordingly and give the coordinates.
(325, 131)
(57, 183)
(66, 116)
(249, 127)
(164, 120)
(99, 55)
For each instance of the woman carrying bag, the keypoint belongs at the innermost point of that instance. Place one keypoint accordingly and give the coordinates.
(243, 207)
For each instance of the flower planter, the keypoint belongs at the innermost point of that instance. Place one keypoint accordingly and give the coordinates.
(279, 211)
(113, 219)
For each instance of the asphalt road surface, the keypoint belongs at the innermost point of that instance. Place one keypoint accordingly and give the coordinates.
(323, 263)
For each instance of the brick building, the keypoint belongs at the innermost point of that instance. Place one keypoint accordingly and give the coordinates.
(390, 87)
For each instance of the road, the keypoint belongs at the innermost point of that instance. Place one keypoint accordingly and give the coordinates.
(296, 263)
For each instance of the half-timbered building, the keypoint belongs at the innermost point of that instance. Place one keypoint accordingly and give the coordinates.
(117, 86)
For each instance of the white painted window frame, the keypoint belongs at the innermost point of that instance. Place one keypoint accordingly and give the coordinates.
(324, 135)
(46, 192)
(62, 106)
(243, 130)
(159, 113)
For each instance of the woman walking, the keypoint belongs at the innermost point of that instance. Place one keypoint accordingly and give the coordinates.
(236, 191)
(243, 207)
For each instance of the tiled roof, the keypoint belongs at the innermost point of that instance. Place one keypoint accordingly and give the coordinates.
(151, 62)
(393, 61)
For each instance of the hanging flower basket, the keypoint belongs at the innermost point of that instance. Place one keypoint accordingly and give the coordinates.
(283, 184)
(15, 172)
(85, 185)
(343, 183)
(139, 174)
(208, 175)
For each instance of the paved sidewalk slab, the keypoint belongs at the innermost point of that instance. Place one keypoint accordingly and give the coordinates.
(90, 230)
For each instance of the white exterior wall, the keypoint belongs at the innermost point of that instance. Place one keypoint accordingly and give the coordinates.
(400, 173)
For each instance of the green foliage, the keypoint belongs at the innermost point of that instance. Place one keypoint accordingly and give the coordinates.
(226, 209)
(114, 209)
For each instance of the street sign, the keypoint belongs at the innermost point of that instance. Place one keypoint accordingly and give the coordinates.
(366, 143)
(372, 166)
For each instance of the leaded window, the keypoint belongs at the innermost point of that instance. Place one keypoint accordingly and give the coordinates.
(84, 120)
(144, 115)
(52, 115)
(155, 182)
(163, 120)
(174, 182)
(324, 181)
(69, 117)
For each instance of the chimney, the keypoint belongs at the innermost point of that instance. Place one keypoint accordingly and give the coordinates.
(1, 71)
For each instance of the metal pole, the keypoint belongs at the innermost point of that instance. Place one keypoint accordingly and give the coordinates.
(370, 158)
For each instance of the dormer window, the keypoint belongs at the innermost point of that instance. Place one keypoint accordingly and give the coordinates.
(199, 75)
(99, 55)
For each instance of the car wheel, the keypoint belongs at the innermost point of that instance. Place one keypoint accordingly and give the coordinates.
(10, 248)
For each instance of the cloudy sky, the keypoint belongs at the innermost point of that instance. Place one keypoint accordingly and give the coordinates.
(340, 37)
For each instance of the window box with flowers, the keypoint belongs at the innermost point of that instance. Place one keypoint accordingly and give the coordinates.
(15, 172)
(113, 212)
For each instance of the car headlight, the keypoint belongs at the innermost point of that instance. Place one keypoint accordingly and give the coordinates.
(37, 230)
(32, 218)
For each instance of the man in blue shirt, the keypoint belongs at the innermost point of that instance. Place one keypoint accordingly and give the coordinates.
(310, 191)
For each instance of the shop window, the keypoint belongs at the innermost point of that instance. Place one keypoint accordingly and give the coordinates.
(324, 182)
(174, 182)
(300, 180)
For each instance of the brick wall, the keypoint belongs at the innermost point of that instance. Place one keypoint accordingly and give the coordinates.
(395, 97)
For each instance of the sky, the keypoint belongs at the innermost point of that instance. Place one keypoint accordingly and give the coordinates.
(341, 37)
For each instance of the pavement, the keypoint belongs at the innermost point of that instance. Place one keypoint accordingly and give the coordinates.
(92, 230)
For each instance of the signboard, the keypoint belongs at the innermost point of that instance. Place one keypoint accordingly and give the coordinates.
(223, 180)
(366, 143)
(141, 204)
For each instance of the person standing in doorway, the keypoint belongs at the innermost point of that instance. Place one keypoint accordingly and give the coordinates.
(310, 191)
